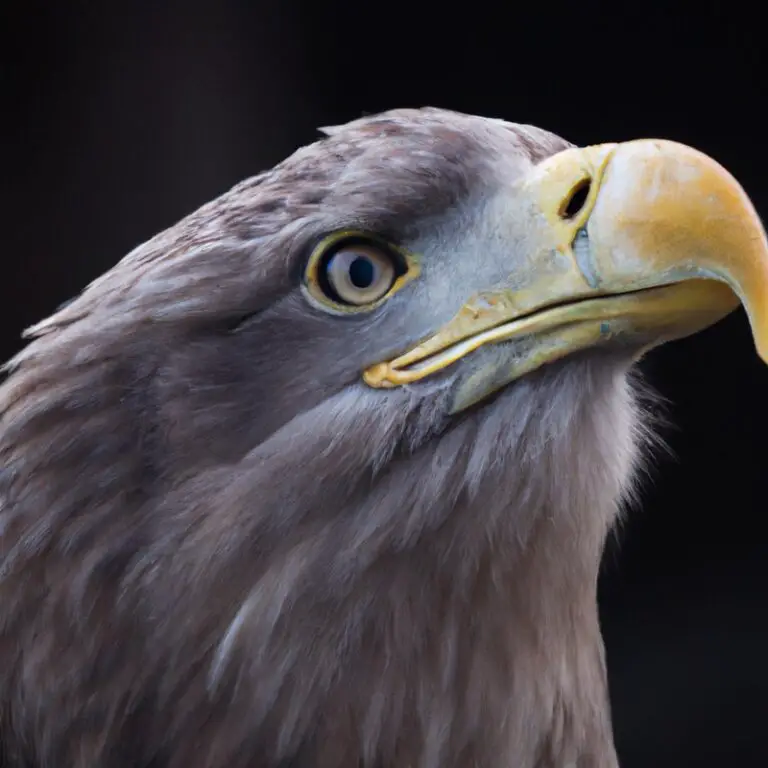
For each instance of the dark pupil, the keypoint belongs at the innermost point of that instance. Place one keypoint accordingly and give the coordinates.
(361, 272)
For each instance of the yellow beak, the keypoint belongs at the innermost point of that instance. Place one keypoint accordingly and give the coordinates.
(643, 242)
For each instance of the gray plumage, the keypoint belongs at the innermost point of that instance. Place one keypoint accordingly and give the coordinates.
(219, 547)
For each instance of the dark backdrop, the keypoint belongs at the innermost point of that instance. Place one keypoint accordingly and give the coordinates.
(121, 117)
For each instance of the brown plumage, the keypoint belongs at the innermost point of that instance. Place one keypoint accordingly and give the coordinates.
(220, 547)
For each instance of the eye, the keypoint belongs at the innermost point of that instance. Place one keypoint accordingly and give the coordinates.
(353, 272)
(358, 275)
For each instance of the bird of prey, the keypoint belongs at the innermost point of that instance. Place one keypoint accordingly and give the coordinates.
(320, 477)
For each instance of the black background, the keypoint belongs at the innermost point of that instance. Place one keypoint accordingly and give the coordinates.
(119, 118)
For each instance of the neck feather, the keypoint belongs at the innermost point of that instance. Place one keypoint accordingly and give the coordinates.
(417, 598)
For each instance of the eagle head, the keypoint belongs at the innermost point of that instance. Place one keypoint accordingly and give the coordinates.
(321, 475)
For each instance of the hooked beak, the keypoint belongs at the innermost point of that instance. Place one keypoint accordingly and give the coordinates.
(646, 242)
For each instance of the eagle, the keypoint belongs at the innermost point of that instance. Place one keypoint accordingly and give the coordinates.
(320, 477)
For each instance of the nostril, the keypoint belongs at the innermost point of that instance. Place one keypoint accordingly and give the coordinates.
(576, 200)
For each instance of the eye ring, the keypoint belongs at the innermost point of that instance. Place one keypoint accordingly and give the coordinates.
(355, 272)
